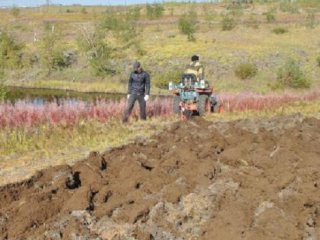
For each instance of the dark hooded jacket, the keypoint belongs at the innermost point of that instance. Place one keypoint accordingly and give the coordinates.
(139, 83)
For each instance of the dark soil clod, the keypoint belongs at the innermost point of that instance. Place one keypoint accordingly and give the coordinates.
(143, 216)
(104, 165)
(73, 181)
(91, 196)
(107, 197)
(145, 166)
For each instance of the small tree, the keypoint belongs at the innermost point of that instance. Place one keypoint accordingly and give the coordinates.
(188, 24)
(10, 51)
(3, 89)
(15, 11)
(158, 10)
(253, 22)
(288, 6)
(154, 11)
(228, 23)
(134, 13)
(123, 27)
(96, 49)
(270, 16)
(84, 10)
(48, 47)
(291, 75)
(318, 61)
(311, 20)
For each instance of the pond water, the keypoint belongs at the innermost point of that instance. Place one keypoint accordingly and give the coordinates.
(42, 95)
(39, 96)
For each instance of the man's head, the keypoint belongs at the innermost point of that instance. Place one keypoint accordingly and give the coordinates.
(195, 58)
(137, 67)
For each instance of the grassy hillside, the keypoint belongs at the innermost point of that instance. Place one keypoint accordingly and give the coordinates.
(92, 48)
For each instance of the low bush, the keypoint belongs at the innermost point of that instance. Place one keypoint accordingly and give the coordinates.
(10, 51)
(318, 61)
(3, 89)
(311, 20)
(162, 80)
(270, 16)
(122, 26)
(84, 10)
(154, 11)
(188, 24)
(279, 30)
(291, 75)
(246, 70)
(15, 11)
(288, 7)
(64, 59)
(228, 23)
(253, 22)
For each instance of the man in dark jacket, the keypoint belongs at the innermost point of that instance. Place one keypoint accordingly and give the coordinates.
(138, 90)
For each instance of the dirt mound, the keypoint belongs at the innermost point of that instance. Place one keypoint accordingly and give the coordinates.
(249, 179)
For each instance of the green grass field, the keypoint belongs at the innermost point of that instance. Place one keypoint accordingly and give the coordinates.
(162, 48)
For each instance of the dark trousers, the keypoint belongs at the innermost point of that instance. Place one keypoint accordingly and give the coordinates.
(142, 105)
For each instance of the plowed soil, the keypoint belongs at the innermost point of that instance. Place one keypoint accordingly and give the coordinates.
(248, 179)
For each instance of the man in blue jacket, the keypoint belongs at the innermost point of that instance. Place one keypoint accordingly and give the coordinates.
(138, 90)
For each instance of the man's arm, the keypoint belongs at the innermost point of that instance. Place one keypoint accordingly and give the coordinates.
(147, 84)
(130, 84)
(201, 72)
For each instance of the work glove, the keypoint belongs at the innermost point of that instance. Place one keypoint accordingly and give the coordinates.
(128, 96)
(146, 97)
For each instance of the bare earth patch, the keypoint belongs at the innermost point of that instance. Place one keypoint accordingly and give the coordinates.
(246, 179)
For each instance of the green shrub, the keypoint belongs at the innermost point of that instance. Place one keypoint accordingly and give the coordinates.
(228, 23)
(209, 14)
(154, 11)
(122, 26)
(10, 51)
(3, 89)
(63, 59)
(253, 22)
(84, 10)
(48, 47)
(288, 7)
(279, 30)
(100, 51)
(291, 75)
(246, 70)
(239, 4)
(134, 13)
(162, 80)
(15, 11)
(318, 61)
(311, 20)
(270, 16)
(171, 12)
(188, 24)
(97, 50)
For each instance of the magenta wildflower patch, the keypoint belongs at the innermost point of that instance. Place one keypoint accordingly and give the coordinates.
(69, 113)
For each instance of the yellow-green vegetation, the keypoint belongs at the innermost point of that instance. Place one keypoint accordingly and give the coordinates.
(245, 70)
(28, 150)
(91, 45)
(307, 109)
(37, 148)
